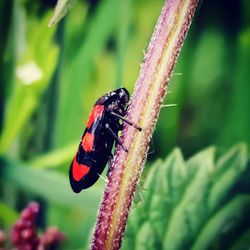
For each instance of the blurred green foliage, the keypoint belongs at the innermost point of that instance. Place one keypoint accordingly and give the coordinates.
(50, 78)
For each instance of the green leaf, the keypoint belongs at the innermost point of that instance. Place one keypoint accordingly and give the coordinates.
(62, 8)
(191, 211)
(151, 181)
(55, 158)
(227, 217)
(50, 185)
(184, 198)
(168, 186)
(146, 238)
(163, 177)
(35, 66)
(203, 158)
(229, 168)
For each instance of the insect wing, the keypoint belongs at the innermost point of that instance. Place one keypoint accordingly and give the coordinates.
(77, 173)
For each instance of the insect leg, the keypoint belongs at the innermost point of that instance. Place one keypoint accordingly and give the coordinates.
(115, 137)
(126, 120)
(103, 177)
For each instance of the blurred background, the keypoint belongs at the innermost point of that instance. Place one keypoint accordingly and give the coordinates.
(51, 77)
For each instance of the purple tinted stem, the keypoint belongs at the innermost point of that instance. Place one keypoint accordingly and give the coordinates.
(150, 89)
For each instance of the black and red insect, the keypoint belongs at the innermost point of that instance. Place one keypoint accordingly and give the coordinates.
(95, 149)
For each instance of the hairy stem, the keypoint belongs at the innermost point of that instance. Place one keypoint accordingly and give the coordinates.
(144, 109)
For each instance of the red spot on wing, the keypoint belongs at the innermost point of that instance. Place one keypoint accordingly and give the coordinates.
(79, 170)
(88, 141)
(96, 112)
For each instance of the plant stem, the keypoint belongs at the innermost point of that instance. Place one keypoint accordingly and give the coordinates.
(144, 108)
